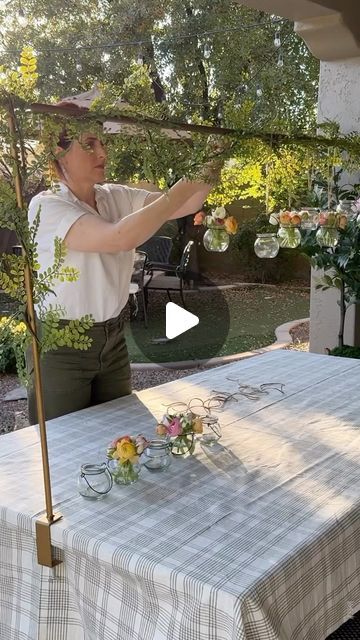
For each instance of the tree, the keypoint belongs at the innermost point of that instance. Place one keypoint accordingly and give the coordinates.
(209, 60)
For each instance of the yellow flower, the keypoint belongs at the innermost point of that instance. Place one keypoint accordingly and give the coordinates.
(197, 425)
(125, 451)
(231, 225)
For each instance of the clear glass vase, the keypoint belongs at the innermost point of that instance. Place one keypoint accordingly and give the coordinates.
(211, 431)
(266, 245)
(156, 456)
(289, 237)
(216, 240)
(327, 236)
(309, 218)
(94, 481)
(346, 207)
(125, 472)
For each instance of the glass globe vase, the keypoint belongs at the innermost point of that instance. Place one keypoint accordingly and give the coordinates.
(289, 237)
(216, 240)
(327, 236)
(266, 245)
(309, 218)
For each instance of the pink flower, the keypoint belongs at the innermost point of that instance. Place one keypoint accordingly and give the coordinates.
(141, 443)
(174, 428)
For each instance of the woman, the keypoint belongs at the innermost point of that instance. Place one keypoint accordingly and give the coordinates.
(100, 225)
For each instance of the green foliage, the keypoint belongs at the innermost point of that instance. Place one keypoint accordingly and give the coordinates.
(13, 343)
(209, 61)
(15, 337)
(345, 352)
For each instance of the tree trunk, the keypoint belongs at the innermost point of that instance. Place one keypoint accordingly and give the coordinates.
(205, 109)
(149, 59)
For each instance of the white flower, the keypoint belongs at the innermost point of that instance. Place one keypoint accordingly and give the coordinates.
(274, 218)
(220, 212)
(209, 221)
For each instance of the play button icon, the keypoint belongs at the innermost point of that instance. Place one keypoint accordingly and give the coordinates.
(178, 320)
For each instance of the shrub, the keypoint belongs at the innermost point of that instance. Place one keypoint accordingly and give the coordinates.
(12, 345)
(346, 351)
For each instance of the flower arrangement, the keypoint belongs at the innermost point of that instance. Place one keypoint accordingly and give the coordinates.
(219, 226)
(123, 454)
(180, 428)
(218, 219)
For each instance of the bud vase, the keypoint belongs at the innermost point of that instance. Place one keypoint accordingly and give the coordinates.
(216, 240)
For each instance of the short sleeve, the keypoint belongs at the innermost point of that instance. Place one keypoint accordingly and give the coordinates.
(130, 198)
(56, 215)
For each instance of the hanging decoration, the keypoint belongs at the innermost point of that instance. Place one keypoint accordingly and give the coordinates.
(219, 228)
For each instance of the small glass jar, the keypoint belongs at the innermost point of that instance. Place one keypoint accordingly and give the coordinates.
(216, 240)
(211, 431)
(309, 218)
(156, 456)
(94, 481)
(327, 236)
(289, 236)
(266, 245)
(346, 207)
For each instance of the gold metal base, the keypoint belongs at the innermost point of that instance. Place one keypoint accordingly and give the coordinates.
(43, 541)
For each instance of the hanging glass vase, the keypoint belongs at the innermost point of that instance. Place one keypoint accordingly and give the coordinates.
(289, 236)
(347, 208)
(327, 236)
(266, 245)
(309, 218)
(216, 239)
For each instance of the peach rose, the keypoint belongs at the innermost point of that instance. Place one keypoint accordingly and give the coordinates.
(284, 217)
(199, 218)
(161, 429)
(231, 225)
(197, 425)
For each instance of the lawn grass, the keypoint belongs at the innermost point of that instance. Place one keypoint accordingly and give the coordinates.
(232, 321)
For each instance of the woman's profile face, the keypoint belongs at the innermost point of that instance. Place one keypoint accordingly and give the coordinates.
(84, 162)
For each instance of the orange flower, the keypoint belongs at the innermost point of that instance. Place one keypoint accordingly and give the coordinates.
(126, 450)
(199, 218)
(161, 429)
(231, 225)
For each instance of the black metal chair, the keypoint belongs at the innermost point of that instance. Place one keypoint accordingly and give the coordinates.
(160, 281)
(139, 277)
(158, 250)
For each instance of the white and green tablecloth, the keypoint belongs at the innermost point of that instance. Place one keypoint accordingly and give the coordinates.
(257, 541)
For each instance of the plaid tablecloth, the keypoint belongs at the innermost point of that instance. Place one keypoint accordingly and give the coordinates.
(257, 541)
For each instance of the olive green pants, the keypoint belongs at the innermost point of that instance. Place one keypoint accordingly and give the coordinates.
(73, 379)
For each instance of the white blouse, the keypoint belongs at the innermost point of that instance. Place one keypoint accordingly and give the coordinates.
(102, 289)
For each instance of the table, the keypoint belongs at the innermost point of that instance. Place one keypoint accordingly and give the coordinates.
(259, 541)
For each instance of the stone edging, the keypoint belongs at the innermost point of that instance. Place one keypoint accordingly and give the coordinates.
(283, 339)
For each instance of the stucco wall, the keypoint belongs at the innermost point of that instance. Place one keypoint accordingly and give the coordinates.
(339, 100)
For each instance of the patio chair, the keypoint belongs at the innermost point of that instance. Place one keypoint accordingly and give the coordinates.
(139, 279)
(160, 281)
(158, 250)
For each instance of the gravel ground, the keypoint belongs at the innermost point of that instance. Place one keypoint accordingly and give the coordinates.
(15, 413)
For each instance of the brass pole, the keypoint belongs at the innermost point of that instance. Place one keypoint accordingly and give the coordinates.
(43, 540)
